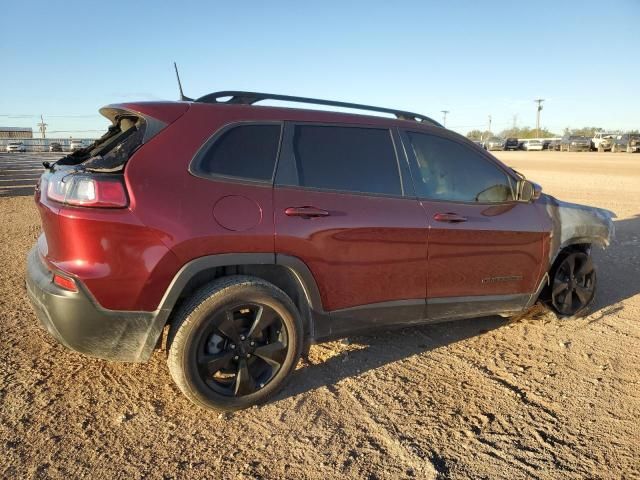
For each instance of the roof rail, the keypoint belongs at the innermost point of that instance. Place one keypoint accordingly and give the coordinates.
(249, 98)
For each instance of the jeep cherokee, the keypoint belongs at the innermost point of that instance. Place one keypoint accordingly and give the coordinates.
(251, 232)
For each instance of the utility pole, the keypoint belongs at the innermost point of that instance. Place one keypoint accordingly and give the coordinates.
(444, 118)
(489, 122)
(42, 127)
(539, 102)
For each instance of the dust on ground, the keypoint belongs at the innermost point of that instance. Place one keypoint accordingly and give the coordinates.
(484, 398)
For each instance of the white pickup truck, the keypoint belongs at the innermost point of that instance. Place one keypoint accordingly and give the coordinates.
(602, 141)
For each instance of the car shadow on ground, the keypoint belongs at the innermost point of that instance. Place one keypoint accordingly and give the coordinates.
(369, 352)
(618, 270)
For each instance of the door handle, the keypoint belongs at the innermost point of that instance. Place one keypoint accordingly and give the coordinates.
(449, 217)
(305, 212)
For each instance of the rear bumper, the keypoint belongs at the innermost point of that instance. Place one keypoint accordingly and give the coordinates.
(80, 324)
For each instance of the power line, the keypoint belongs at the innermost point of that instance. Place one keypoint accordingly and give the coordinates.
(42, 126)
(539, 102)
(444, 118)
(28, 115)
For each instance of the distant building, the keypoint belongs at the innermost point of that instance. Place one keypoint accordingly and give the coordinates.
(15, 132)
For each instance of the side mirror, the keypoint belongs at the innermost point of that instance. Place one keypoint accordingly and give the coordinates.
(529, 191)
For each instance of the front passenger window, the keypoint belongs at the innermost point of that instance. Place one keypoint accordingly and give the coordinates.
(448, 170)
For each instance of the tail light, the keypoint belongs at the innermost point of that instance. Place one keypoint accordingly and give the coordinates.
(82, 190)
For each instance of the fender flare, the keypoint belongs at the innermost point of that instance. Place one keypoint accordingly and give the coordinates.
(298, 268)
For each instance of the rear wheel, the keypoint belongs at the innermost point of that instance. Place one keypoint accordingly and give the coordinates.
(613, 148)
(574, 283)
(234, 344)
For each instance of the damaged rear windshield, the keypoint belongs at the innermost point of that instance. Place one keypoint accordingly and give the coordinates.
(111, 151)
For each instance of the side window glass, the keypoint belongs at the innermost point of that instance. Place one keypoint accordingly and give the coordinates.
(244, 151)
(350, 159)
(447, 170)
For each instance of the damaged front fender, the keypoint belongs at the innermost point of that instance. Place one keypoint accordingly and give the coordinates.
(574, 224)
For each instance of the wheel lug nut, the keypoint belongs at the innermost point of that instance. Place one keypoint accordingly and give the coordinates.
(232, 346)
(235, 358)
(261, 385)
(248, 355)
(242, 337)
(253, 344)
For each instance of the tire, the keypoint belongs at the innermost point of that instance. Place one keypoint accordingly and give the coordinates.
(600, 148)
(573, 284)
(255, 332)
(613, 148)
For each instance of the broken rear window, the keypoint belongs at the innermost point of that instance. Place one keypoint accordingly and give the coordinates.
(111, 151)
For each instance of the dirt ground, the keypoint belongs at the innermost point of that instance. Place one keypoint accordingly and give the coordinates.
(536, 397)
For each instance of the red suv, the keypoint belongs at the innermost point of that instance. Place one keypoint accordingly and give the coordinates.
(252, 232)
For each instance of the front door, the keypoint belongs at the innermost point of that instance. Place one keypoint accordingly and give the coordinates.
(340, 206)
(486, 249)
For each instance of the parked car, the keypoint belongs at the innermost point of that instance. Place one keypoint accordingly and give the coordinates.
(554, 145)
(494, 143)
(480, 144)
(545, 143)
(511, 144)
(532, 145)
(76, 145)
(55, 147)
(628, 142)
(575, 143)
(13, 147)
(253, 232)
(602, 141)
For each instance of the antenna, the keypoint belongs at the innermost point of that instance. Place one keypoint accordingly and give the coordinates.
(182, 97)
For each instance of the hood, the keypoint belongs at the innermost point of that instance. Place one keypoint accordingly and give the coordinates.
(574, 223)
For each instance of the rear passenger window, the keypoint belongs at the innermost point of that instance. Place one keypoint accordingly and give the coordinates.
(245, 151)
(346, 158)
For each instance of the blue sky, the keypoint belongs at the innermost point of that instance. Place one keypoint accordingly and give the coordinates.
(67, 59)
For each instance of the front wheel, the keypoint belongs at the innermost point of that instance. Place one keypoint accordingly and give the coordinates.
(574, 284)
(234, 343)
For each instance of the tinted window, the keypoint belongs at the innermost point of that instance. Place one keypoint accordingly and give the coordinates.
(447, 170)
(246, 151)
(346, 158)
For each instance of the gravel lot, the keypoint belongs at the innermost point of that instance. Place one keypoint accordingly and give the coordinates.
(535, 397)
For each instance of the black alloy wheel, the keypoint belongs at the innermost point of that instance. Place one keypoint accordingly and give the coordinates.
(234, 343)
(242, 349)
(574, 284)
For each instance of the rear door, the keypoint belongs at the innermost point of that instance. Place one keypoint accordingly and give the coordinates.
(343, 204)
(486, 249)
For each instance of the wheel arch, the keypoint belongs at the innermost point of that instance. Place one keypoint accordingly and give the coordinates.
(578, 244)
(288, 273)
